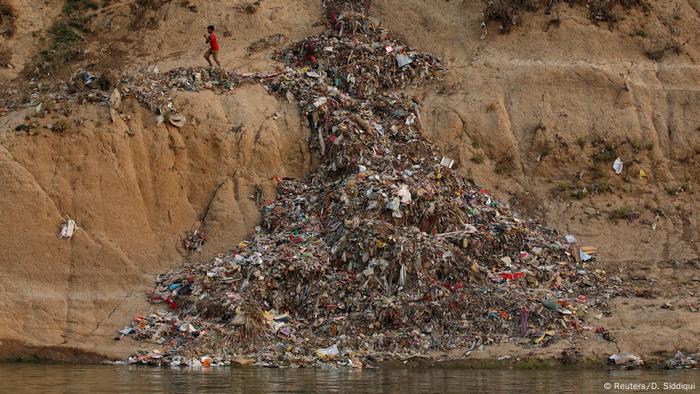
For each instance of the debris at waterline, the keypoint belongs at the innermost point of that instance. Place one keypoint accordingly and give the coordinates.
(383, 252)
(681, 361)
(627, 360)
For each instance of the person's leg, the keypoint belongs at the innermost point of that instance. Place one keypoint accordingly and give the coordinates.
(207, 54)
(216, 58)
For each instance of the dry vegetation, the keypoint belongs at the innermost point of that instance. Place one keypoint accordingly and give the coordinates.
(145, 12)
(5, 56)
(507, 12)
(7, 30)
(66, 38)
(506, 165)
(7, 19)
(624, 213)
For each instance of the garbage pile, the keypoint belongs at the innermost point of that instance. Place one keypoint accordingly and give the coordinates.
(384, 252)
(357, 56)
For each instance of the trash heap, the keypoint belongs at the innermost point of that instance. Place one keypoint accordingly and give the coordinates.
(384, 252)
(357, 56)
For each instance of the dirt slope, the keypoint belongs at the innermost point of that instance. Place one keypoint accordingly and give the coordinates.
(537, 115)
(127, 36)
(31, 20)
(538, 107)
(134, 199)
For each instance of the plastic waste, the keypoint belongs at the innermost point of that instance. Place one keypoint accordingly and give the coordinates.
(512, 276)
(88, 78)
(115, 99)
(681, 361)
(68, 229)
(176, 119)
(447, 162)
(617, 166)
(404, 194)
(551, 304)
(320, 102)
(126, 330)
(626, 359)
(583, 255)
(328, 353)
(403, 60)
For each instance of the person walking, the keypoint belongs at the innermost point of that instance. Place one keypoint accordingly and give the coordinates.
(214, 49)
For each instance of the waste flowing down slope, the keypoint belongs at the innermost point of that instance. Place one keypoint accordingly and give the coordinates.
(381, 253)
(540, 114)
(536, 117)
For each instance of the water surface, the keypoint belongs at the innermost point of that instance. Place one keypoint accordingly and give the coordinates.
(60, 378)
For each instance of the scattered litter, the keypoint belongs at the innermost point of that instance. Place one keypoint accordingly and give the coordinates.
(126, 331)
(115, 99)
(88, 78)
(617, 166)
(447, 162)
(583, 255)
(626, 359)
(589, 250)
(176, 119)
(266, 42)
(680, 361)
(68, 229)
(195, 241)
(605, 334)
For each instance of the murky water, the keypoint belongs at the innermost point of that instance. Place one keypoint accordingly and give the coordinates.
(40, 378)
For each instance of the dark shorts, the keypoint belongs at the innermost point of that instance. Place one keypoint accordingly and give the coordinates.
(211, 52)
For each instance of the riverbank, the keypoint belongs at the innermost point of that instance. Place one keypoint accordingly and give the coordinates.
(64, 295)
(591, 353)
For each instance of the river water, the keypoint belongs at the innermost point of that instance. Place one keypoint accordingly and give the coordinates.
(50, 378)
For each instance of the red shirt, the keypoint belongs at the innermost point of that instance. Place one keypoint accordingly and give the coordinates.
(213, 44)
